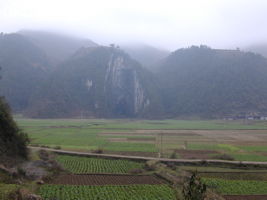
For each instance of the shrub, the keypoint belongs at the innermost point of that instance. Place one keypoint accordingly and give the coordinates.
(98, 151)
(194, 189)
(151, 165)
(173, 155)
(223, 157)
(13, 141)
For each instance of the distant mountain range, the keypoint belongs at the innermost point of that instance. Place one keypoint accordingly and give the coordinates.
(57, 47)
(258, 48)
(147, 55)
(47, 75)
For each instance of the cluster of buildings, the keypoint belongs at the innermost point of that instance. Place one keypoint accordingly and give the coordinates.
(251, 116)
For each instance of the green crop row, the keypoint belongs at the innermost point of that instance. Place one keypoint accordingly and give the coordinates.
(236, 176)
(130, 192)
(236, 187)
(77, 164)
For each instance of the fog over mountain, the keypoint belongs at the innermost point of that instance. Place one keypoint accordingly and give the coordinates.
(165, 24)
(113, 81)
(138, 58)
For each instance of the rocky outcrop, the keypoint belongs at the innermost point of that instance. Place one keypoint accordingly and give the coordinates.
(123, 86)
(98, 82)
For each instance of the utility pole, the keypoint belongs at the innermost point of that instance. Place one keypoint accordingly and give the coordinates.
(161, 142)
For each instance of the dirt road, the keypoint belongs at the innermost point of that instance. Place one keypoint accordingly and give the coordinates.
(181, 161)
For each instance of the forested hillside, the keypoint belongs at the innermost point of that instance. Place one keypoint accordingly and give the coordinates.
(207, 82)
(104, 81)
(24, 68)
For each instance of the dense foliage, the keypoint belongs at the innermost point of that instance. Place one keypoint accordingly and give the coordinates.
(24, 68)
(194, 189)
(207, 82)
(12, 140)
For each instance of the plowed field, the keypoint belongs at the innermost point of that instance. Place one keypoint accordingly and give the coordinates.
(106, 179)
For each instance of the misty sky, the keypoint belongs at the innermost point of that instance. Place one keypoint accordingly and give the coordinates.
(170, 24)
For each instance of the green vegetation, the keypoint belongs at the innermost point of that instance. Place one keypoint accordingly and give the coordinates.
(238, 187)
(200, 81)
(82, 165)
(13, 142)
(194, 189)
(241, 175)
(124, 135)
(6, 189)
(130, 192)
(249, 157)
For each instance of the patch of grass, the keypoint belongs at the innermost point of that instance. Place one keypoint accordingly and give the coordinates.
(228, 147)
(258, 148)
(6, 189)
(249, 157)
(124, 146)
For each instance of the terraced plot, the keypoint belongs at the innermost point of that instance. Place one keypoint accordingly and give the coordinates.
(107, 179)
(237, 187)
(82, 165)
(124, 192)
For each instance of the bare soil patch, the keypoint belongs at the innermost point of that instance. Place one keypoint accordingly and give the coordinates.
(245, 197)
(106, 179)
(141, 139)
(195, 154)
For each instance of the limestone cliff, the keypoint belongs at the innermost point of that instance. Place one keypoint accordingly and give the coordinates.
(99, 82)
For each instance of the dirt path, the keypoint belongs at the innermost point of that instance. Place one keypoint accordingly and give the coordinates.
(187, 161)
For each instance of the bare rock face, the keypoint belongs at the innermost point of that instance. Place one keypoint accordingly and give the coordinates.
(123, 86)
(33, 197)
(25, 194)
(35, 170)
(99, 82)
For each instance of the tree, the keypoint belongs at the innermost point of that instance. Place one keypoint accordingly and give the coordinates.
(194, 189)
(13, 141)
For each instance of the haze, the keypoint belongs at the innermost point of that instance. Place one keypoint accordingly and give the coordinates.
(167, 24)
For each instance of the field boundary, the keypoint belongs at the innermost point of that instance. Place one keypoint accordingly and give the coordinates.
(140, 158)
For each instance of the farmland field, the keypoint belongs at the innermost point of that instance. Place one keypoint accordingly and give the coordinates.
(128, 192)
(107, 179)
(229, 140)
(81, 165)
(237, 187)
(239, 140)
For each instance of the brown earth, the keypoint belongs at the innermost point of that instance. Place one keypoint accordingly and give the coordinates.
(195, 154)
(245, 197)
(106, 179)
(141, 139)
